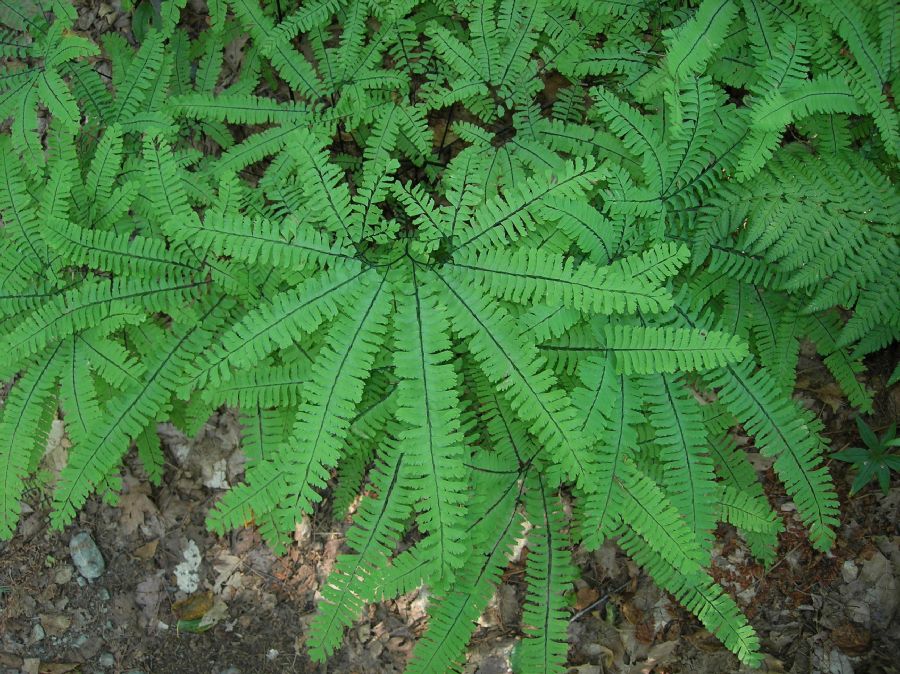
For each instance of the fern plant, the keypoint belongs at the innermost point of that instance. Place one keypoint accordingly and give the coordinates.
(478, 261)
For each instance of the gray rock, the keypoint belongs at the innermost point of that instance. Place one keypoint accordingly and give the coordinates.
(494, 665)
(86, 556)
(859, 612)
(882, 590)
(875, 568)
(849, 571)
(107, 660)
(89, 647)
(37, 634)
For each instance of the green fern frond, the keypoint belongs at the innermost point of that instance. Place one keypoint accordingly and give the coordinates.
(323, 420)
(693, 43)
(128, 415)
(276, 324)
(531, 276)
(647, 512)
(431, 441)
(23, 433)
(89, 305)
(743, 511)
(259, 240)
(240, 109)
(689, 480)
(263, 387)
(549, 573)
(150, 453)
(638, 134)
(441, 647)
(617, 416)
(378, 525)
(644, 350)
(736, 472)
(700, 595)
(529, 388)
(785, 432)
(509, 216)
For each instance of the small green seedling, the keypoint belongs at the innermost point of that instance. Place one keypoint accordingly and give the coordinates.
(876, 460)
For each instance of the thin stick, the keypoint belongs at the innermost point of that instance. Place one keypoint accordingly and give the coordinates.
(602, 599)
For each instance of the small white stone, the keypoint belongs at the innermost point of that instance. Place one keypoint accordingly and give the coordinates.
(217, 477)
(187, 575)
(181, 452)
(271, 654)
(849, 571)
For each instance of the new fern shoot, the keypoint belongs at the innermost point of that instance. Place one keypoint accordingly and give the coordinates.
(476, 260)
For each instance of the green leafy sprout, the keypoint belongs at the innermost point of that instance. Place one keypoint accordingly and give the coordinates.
(875, 461)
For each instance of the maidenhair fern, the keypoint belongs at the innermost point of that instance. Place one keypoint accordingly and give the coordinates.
(484, 262)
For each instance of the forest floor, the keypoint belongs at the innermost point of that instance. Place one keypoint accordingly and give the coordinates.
(834, 613)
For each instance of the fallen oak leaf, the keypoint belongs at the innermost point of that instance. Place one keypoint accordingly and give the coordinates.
(134, 505)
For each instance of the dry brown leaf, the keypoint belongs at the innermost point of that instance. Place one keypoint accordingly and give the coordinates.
(147, 596)
(830, 394)
(771, 665)
(632, 613)
(552, 84)
(852, 639)
(217, 612)
(193, 607)
(229, 579)
(134, 504)
(705, 641)
(147, 551)
(58, 667)
(585, 597)
(443, 133)
(57, 449)
(55, 624)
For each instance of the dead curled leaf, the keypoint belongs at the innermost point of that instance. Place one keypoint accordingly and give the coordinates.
(217, 612)
(193, 607)
(229, 579)
(199, 612)
(214, 615)
(55, 624)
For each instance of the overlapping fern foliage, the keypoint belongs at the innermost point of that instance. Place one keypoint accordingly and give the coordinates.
(476, 260)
